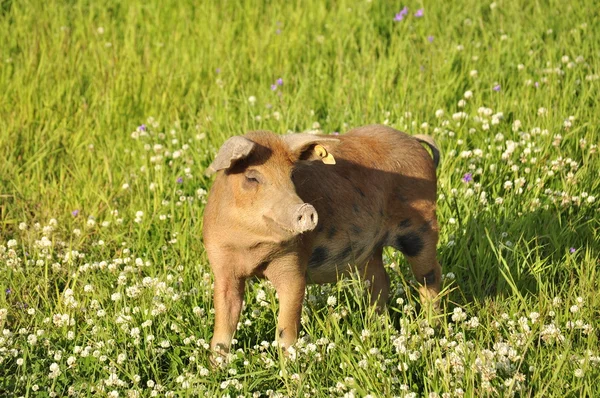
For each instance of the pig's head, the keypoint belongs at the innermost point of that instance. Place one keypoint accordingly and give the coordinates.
(254, 185)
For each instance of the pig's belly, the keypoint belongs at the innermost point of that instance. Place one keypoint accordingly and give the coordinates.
(330, 261)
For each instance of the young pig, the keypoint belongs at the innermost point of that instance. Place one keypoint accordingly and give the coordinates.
(302, 208)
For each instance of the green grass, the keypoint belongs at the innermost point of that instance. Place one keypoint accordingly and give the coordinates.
(78, 77)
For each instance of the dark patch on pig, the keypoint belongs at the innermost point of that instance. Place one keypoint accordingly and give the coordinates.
(341, 256)
(320, 228)
(410, 244)
(425, 227)
(355, 229)
(360, 192)
(331, 232)
(318, 257)
(405, 223)
(383, 241)
(355, 208)
(280, 333)
(429, 278)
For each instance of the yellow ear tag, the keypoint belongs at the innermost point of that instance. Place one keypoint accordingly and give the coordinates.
(325, 156)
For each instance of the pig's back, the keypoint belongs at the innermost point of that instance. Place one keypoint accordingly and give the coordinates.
(381, 178)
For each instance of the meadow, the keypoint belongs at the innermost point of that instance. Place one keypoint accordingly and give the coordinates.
(110, 114)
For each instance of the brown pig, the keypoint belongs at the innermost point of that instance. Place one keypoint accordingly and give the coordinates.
(303, 208)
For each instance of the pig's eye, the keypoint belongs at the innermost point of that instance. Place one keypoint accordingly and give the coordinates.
(252, 177)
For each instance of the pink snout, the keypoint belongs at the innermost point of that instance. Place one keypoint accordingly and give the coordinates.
(305, 218)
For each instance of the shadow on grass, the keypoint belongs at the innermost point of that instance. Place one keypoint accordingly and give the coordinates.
(522, 255)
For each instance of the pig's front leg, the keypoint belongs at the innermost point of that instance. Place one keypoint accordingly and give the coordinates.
(289, 279)
(228, 298)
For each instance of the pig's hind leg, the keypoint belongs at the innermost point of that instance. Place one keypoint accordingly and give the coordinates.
(418, 245)
(378, 278)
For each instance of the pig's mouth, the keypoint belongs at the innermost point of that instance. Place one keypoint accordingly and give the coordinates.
(271, 222)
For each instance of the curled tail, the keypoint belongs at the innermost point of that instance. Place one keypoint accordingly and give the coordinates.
(432, 145)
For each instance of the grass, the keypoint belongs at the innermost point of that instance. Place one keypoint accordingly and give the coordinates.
(105, 286)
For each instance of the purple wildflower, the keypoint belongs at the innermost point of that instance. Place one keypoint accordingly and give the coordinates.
(497, 87)
(75, 213)
(273, 87)
(400, 16)
(142, 127)
(278, 32)
(8, 291)
(179, 180)
(419, 13)
(218, 70)
(468, 177)
(280, 82)
(537, 84)
(430, 38)
(335, 133)
(572, 250)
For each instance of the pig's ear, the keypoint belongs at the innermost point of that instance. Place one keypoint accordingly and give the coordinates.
(233, 149)
(310, 146)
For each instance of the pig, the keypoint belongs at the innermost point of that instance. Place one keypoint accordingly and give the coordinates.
(306, 208)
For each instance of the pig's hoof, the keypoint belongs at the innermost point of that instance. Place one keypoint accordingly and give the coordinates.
(218, 356)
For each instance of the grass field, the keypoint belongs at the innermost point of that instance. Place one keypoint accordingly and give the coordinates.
(110, 114)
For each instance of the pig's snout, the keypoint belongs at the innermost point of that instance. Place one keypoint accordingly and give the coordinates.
(305, 218)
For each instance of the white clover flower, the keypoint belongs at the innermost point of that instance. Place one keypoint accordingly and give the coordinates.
(331, 301)
(516, 125)
(252, 100)
(54, 371)
(574, 309)
(11, 243)
(458, 315)
(32, 339)
(439, 113)
(468, 94)
(473, 322)
(366, 333)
